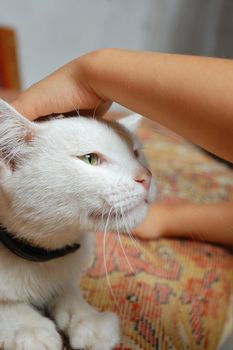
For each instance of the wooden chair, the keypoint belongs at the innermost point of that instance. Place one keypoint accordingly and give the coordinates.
(9, 65)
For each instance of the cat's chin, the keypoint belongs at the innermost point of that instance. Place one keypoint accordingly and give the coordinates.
(122, 221)
(134, 217)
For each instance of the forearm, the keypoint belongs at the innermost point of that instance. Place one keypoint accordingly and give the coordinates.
(209, 222)
(190, 95)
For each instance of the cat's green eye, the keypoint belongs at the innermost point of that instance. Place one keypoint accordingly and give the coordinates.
(91, 158)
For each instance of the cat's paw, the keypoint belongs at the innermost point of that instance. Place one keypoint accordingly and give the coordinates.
(33, 338)
(95, 331)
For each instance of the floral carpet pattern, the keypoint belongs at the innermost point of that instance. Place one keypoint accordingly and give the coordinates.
(169, 294)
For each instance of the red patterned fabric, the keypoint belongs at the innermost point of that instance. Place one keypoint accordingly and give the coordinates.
(177, 294)
(9, 69)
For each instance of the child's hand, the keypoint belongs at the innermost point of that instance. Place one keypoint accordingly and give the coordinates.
(67, 89)
(211, 222)
(190, 95)
(155, 224)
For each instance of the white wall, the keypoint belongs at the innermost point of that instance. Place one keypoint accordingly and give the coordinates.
(53, 32)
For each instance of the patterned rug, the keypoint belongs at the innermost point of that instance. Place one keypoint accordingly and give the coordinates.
(170, 294)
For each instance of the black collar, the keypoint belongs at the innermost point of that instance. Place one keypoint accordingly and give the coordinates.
(32, 253)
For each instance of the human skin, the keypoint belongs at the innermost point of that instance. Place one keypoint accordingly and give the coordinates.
(211, 222)
(189, 94)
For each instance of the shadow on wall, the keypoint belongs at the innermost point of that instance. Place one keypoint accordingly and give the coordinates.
(192, 27)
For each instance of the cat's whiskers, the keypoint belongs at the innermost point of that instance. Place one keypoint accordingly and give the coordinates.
(96, 107)
(121, 244)
(134, 241)
(105, 262)
(76, 109)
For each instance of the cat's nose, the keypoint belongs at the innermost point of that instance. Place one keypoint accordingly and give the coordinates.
(144, 177)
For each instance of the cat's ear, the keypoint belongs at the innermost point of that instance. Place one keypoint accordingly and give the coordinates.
(15, 133)
(131, 122)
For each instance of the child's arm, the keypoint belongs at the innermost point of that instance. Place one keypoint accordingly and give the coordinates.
(208, 222)
(188, 94)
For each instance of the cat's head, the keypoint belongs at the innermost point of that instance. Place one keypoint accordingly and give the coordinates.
(66, 176)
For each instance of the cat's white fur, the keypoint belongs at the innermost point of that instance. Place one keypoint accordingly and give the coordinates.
(51, 198)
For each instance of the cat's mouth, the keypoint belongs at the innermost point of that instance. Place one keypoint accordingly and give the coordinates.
(117, 213)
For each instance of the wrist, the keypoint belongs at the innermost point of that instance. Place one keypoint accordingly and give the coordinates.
(171, 224)
(109, 74)
(91, 70)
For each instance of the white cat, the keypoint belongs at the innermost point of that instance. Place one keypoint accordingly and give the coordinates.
(60, 180)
